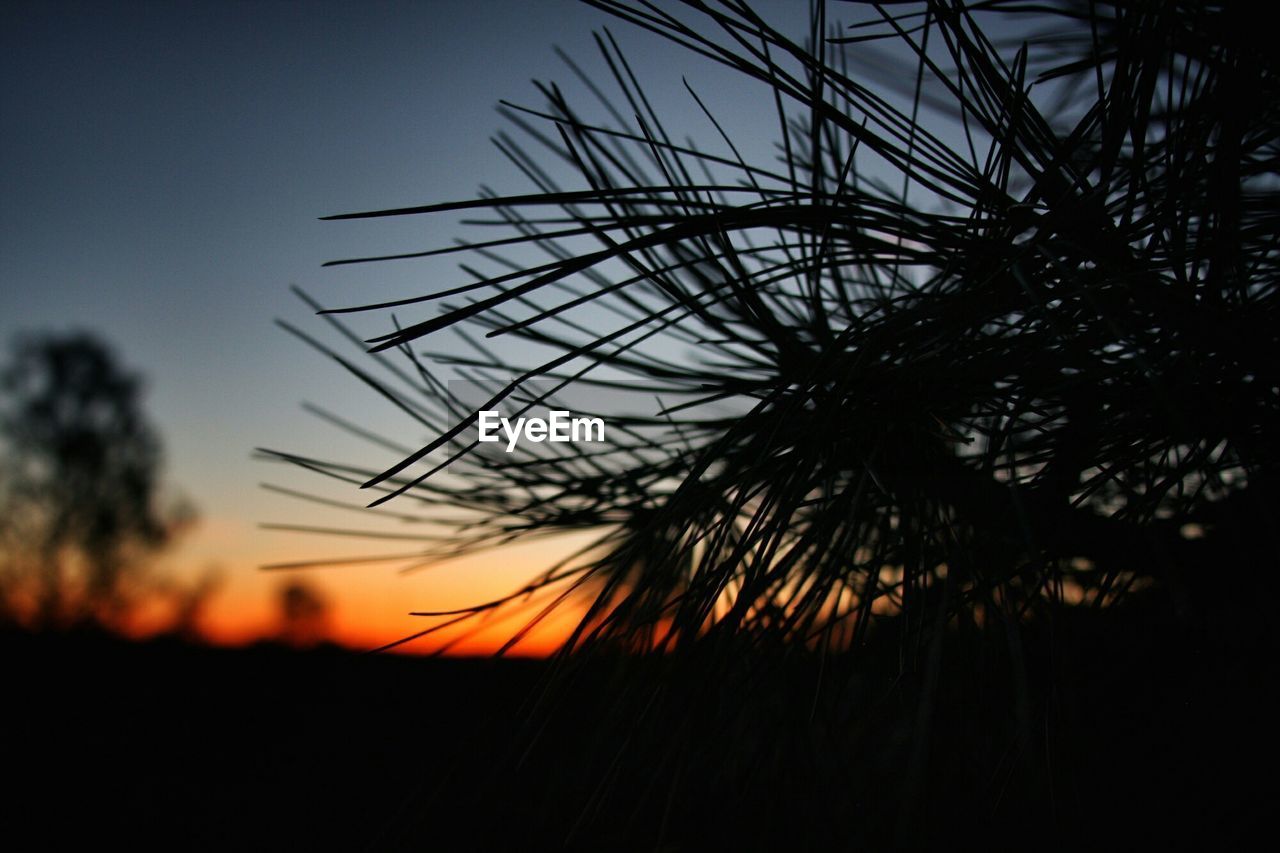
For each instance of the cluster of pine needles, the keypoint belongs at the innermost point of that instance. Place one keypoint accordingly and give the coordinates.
(993, 333)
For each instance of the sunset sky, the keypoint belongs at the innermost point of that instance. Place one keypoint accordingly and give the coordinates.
(163, 169)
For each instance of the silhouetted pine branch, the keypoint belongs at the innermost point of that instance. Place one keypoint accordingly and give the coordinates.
(996, 326)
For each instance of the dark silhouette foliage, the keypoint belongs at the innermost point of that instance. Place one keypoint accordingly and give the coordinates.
(1035, 353)
(999, 328)
(82, 501)
(302, 614)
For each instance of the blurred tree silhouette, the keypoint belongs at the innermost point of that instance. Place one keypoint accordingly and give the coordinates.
(79, 487)
(302, 614)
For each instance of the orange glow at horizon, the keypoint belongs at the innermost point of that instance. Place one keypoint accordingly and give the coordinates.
(369, 605)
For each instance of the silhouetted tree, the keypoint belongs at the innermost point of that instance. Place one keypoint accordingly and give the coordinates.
(1001, 318)
(81, 492)
(999, 324)
(303, 614)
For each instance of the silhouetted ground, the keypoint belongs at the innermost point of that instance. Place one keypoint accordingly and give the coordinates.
(169, 744)
(1158, 734)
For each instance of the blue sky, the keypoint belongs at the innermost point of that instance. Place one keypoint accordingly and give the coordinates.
(163, 167)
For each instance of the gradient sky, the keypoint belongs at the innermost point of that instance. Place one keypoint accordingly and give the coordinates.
(162, 168)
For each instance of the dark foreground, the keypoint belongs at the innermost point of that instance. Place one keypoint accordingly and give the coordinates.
(1147, 736)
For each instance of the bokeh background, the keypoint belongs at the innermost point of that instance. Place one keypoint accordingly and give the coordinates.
(163, 168)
